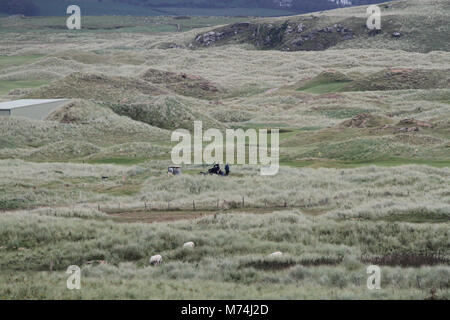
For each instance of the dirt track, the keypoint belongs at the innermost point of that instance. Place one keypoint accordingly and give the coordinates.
(155, 216)
(151, 216)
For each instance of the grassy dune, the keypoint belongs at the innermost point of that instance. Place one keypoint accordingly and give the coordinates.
(321, 255)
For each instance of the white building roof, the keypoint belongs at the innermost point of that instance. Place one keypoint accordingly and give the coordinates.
(25, 103)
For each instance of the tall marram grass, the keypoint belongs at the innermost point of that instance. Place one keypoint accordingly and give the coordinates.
(320, 254)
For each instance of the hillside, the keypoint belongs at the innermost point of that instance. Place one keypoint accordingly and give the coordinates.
(405, 25)
(384, 80)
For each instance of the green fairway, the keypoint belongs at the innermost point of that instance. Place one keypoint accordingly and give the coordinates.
(324, 87)
(8, 61)
(6, 86)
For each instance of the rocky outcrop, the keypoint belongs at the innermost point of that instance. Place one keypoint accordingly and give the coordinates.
(358, 121)
(414, 122)
(211, 37)
(182, 83)
(286, 36)
(410, 129)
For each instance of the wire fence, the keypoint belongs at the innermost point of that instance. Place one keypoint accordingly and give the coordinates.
(214, 205)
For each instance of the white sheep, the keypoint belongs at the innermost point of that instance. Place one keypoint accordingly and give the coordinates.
(155, 260)
(189, 244)
(275, 254)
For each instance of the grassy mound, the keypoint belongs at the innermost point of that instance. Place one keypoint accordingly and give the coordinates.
(92, 125)
(401, 79)
(182, 83)
(167, 112)
(129, 153)
(96, 87)
(78, 112)
(327, 81)
(63, 150)
(387, 79)
(366, 121)
(83, 57)
(232, 115)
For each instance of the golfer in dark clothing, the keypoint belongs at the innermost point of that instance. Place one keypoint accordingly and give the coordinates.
(227, 169)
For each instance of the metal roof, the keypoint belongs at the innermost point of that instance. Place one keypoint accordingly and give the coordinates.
(25, 103)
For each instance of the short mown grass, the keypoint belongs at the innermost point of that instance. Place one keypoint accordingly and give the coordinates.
(6, 85)
(324, 87)
(16, 60)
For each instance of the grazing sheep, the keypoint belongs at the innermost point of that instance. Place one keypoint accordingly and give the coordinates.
(275, 254)
(189, 245)
(155, 260)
